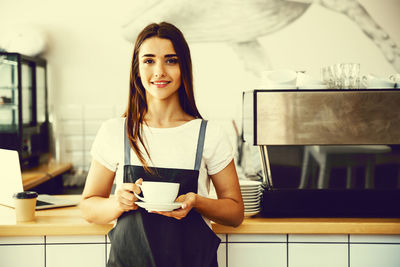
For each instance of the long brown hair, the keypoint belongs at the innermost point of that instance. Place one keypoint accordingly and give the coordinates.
(137, 105)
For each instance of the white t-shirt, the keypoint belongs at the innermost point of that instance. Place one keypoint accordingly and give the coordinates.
(168, 148)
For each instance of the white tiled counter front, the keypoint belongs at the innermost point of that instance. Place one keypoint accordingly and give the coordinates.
(369, 250)
(256, 250)
(66, 251)
(22, 251)
(236, 250)
(312, 250)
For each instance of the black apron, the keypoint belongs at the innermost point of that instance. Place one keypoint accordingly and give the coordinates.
(148, 239)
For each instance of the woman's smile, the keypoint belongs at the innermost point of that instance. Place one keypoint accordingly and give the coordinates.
(160, 84)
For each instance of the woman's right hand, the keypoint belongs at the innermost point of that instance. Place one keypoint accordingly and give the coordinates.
(125, 197)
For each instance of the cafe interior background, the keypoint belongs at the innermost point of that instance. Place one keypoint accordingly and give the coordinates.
(88, 48)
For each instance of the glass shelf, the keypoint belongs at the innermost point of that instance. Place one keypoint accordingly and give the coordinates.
(9, 128)
(8, 106)
(9, 96)
(6, 61)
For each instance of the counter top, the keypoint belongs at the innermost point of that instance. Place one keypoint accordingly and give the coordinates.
(68, 221)
(42, 173)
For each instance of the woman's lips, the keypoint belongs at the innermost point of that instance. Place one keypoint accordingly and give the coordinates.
(161, 84)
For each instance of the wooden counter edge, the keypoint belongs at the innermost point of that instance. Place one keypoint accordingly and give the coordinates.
(366, 226)
(47, 230)
(248, 227)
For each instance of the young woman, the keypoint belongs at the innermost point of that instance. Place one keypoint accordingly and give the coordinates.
(162, 137)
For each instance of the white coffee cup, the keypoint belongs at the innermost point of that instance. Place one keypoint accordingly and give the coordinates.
(158, 192)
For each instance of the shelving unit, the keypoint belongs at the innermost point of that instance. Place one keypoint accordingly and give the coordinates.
(23, 107)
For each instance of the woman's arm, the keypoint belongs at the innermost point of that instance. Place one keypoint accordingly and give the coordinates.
(228, 209)
(96, 205)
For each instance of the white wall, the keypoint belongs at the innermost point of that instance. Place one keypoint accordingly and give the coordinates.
(89, 61)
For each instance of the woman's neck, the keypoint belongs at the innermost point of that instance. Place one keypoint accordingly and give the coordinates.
(165, 113)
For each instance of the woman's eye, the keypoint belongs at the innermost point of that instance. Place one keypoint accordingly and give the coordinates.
(172, 60)
(148, 61)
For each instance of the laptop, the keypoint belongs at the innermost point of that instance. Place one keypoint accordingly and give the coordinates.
(11, 182)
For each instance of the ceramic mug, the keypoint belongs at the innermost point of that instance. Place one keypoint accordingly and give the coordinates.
(158, 192)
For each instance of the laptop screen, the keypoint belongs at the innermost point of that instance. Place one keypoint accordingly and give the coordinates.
(10, 176)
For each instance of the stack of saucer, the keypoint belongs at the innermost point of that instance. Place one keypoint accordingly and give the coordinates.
(251, 193)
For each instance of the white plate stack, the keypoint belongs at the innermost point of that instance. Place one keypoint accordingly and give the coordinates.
(251, 193)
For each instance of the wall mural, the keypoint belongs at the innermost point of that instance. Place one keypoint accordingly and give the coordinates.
(240, 23)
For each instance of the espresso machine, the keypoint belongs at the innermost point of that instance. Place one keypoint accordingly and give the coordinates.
(349, 128)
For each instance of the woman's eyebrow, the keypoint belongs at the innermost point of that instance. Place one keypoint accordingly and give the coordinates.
(166, 56)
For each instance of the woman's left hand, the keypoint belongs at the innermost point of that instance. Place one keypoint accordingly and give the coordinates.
(188, 202)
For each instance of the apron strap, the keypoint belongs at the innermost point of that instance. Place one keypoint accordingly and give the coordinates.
(200, 145)
(127, 148)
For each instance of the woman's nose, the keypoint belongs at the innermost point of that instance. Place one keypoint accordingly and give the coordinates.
(159, 70)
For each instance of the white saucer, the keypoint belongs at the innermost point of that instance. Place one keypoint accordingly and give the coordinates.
(251, 192)
(244, 183)
(255, 198)
(159, 206)
(252, 209)
(251, 206)
(249, 189)
(251, 213)
(248, 204)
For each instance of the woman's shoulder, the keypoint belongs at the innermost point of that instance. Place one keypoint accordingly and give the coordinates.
(218, 146)
(214, 127)
(216, 132)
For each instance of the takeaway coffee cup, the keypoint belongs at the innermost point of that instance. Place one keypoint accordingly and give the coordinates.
(158, 192)
(25, 205)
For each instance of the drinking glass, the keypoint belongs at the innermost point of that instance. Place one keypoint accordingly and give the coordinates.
(350, 75)
(337, 75)
(327, 77)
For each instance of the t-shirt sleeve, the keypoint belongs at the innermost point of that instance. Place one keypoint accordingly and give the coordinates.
(105, 148)
(218, 152)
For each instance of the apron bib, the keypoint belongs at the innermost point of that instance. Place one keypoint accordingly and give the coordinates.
(146, 239)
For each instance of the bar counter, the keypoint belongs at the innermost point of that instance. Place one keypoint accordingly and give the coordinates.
(63, 234)
(68, 221)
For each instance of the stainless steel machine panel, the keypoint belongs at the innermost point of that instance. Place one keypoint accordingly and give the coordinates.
(326, 117)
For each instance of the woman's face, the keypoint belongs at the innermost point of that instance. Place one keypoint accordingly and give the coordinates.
(159, 68)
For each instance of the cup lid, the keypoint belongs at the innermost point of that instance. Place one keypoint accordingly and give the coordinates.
(25, 195)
